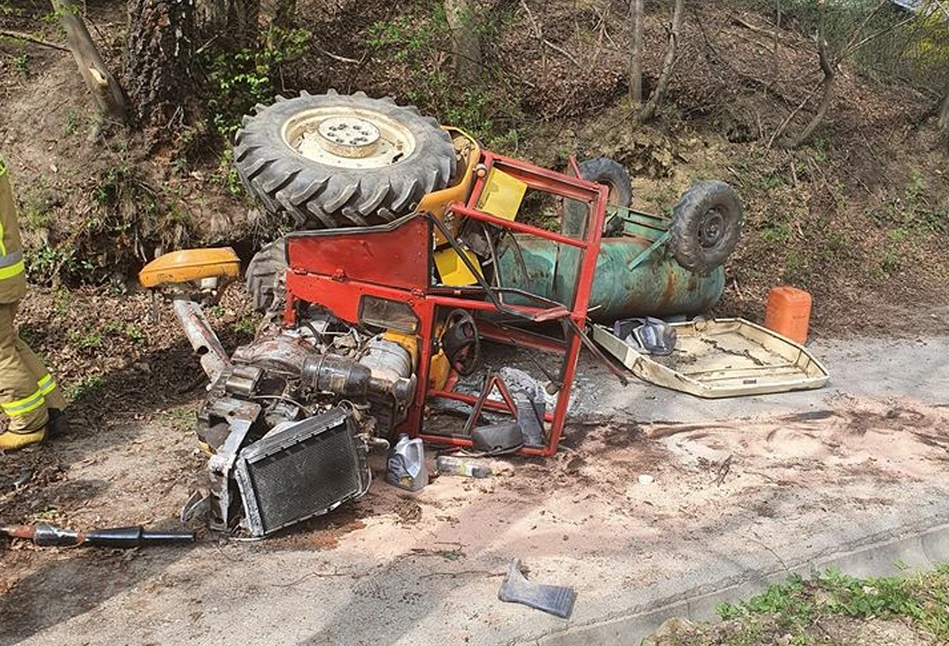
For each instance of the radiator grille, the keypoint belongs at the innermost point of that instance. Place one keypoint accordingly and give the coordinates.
(302, 471)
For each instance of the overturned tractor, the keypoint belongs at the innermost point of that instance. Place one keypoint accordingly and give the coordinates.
(411, 247)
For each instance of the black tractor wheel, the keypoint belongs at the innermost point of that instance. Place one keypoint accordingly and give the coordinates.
(334, 160)
(265, 276)
(610, 173)
(706, 226)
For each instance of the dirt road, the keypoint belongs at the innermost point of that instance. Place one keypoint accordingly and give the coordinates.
(733, 495)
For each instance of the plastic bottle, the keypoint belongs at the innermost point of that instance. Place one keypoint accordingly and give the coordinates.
(405, 467)
(452, 466)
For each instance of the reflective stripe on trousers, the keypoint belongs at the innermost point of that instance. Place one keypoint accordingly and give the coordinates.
(24, 406)
(15, 269)
(45, 386)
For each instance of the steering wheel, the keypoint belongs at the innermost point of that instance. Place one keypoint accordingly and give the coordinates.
(461, 342)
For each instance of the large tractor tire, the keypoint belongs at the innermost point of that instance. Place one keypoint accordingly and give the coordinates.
(706, 226)
(265, 276)
(603, 170)
(335, 160)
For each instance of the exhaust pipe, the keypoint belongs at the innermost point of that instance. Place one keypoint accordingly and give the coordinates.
(202, 338)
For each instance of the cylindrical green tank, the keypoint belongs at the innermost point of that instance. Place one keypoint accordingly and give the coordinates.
(657, 286)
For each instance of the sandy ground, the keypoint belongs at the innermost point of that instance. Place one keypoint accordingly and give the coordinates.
(581, 518)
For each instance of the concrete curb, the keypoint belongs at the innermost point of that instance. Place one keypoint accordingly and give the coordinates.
(920, 550)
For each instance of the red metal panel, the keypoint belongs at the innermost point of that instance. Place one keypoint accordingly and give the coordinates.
(341, 297)
(397, 257)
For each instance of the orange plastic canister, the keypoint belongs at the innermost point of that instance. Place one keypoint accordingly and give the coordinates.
(789, 312)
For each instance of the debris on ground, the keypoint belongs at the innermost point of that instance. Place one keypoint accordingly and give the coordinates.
(554, 599)
(715, 358)
(45, 535)
(466, 467)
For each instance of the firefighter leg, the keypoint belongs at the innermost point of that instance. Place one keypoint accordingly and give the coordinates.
(55, 402)
(44, 380)
(21, 397)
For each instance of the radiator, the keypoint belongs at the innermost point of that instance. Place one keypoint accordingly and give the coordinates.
(301, 471)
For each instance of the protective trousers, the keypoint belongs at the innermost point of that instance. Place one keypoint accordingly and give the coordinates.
(27, 390)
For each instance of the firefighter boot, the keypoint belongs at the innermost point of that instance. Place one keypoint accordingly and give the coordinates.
(10, 441)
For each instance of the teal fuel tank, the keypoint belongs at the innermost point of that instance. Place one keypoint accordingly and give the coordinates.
(633, 277)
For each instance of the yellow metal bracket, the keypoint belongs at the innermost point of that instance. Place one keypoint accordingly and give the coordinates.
(502, 195)
(452, 270)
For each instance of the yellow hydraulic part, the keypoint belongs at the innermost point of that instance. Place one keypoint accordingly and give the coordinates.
(191, 265)
(437, 202)
(452, 270)
(439, 370)
(502, 195)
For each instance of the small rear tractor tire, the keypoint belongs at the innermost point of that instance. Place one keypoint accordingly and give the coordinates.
(333, 160)
(265, 276)
(603, 170)
(706, 226)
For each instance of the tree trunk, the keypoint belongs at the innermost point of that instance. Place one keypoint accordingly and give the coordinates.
(233, 24)
(158, 54)
(649, 111)
(829, 67)
(98, 78)
(465, 41)
(776, 43)
(244, 21)
(636, 52)
(284, 13)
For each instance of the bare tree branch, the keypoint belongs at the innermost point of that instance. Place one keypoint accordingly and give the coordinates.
(561, 50)
(866, 21)
(854, 46)
(829, 67)
(649, 111)
(16, 35)
(784, 124)
(100, 81)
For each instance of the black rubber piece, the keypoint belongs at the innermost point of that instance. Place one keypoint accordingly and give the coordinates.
(554, 599)
(265, 276)
(461, 342)
(322, 196)
(58, 424)
(611, 173)
(128, 537)
(497, 438)
(706, 226)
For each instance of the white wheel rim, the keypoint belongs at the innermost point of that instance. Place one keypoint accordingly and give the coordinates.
(348, 137)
